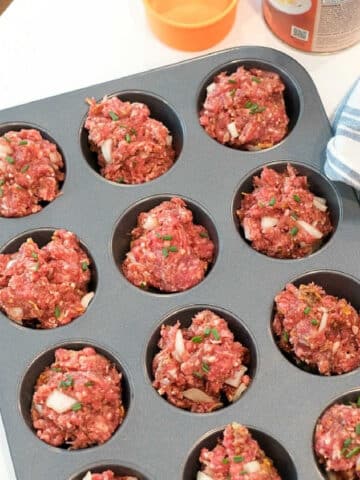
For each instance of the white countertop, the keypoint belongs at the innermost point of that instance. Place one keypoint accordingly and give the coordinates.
(50, 47)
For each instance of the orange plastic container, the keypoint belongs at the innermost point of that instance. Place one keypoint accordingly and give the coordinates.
(190, 24)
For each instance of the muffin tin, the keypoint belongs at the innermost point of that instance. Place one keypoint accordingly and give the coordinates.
(283, 403)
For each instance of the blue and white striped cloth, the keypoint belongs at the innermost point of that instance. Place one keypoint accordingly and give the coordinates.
(343, 150)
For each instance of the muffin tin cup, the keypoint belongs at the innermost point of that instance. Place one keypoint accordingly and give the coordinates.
(155, 438)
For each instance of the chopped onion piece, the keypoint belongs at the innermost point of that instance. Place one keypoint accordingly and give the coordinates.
(197, 395)
(268, 222)
(320, 203)
(60, 402)
(106, 150)
(247, 232)
(86, 299)
(38, 408)
(210, 88)
(150, 222)
(169, 140)
(310, 229)
(16, 314)
(239, 392)
(357, 466)
(252, 467)
(233, 130)
(88, 476)
(324, 320)
(10, 263)
(203, 476)
(179, 346)
(235, 380)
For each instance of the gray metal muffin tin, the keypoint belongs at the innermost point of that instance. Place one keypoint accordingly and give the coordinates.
(283, 403)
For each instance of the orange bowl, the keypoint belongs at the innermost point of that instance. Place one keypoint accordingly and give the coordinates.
(190, 24)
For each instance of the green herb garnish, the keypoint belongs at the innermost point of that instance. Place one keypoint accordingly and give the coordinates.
(167, 237)
(113, 116)
(257, 109)
(35, 255)
(248, 104)
(9, 159)
(285, 336)
(25, 168)
(197, 339)
(69, 382)
(294, 231)
(205, 367)
(56, 369)
(272, 202)
(84, 266)
(307, 310)
(128, 137)
(198, 375)
(23, 142)
(204, 235)
(297, 198)
(347, 442)
(357, 429)
(225, 460)
(231, 80)
(232, 92)
(89, 383)
(76, 407)
(353, 452)
(238, 459)
(165, 252)
(207, 332)
(314, 322)
(256, 79)
(120, 180)
(173, 248)
(215, 334)
(2, 181)
(57, 311)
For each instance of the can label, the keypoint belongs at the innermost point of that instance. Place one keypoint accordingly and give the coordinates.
(314, 25)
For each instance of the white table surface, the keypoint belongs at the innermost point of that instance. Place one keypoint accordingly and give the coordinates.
(50, 47)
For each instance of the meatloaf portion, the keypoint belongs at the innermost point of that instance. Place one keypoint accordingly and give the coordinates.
(131, 146)
(168, 251)
(246, 109)
(319, 329)
(337, 441)
(31, 169)
(281, 217)
(108, 475)
(77, 400)
(198, 365)
(236, 456)
(45, 287)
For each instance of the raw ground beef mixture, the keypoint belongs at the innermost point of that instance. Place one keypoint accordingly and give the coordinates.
(77, 400)
(246, 109)
(108, 475)
(319, 329)
(168, 252)
(30, 172)
(45, 287)
(337, 441)
(131, 146)
(236, 456)
(198, 365)
(281, 217)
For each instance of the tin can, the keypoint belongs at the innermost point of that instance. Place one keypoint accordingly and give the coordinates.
(321, 26)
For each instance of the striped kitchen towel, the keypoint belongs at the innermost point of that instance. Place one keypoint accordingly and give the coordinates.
(343, 150)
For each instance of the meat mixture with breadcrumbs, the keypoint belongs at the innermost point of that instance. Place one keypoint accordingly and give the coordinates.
(168, 251)
(108, 475)
(236, 456)
(199, 367)
(31, 171)
(131, 146)
(317, 329)
(281, 217)
(246, 109)
(77, 400)
(45, 287)
(337, 441)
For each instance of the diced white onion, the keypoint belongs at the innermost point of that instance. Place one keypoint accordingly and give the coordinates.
(320, 204)
(60, 402)
(210, 88)
(239, 392)
(203, 476)
(169, 140)
(233, 130)
(150, 222)
(179, 346)
(86, 299)
(197, 395)
(310, 229)
(268, 222)
(16, 314)
(235, 380)
(324, 320)
(247, 232)
(11, 263)
(88, 476)
(106, 150)
(252, 467)
(38, 408)
(335, 347)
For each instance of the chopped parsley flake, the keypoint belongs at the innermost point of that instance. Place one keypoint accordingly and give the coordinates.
(204, 235)
(225, 460)
(173, 248)
(56, 369)
(347, 442)
(256, 79)
(198, 375)
(165, 252)
(207, 332)
(314, 322)
(84, 266)
(294, 231)
(89, 384)
(128, 137)
(76, 407)
(9, 159)
(25, 168)
(23, 142)
(113, 116)
(57, 311)
(215, 334)
(285, 336)
(205, 367)
(232, 92)
(197, 339)
(353, 452)
(307, 310)
(297, 198)
(357, 429)
(68, 382)
(2, 181)
(238, 459)
(272, 202)
(167, 237)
